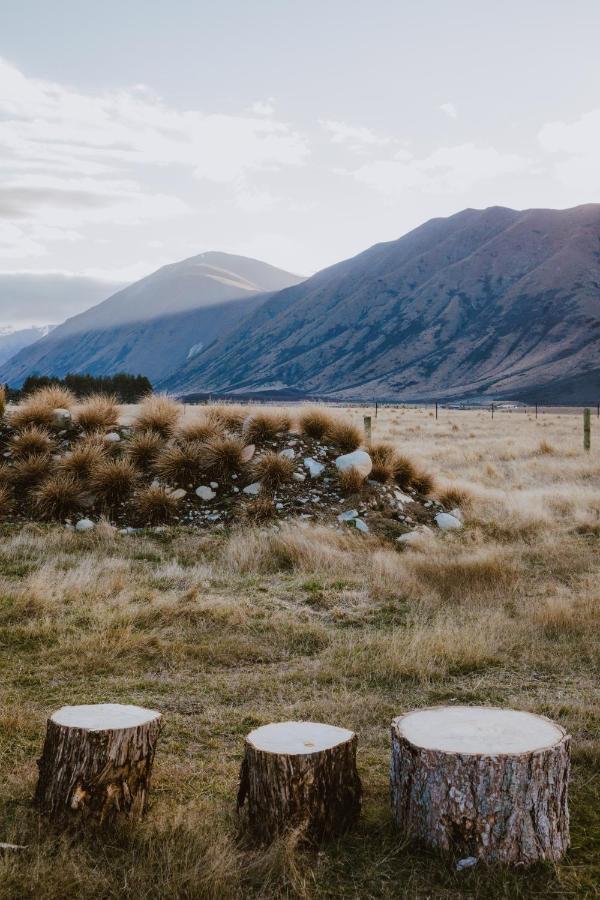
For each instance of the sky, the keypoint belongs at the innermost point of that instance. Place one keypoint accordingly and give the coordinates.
(300, 132)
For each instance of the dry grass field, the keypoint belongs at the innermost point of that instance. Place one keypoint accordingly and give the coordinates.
(222, 632)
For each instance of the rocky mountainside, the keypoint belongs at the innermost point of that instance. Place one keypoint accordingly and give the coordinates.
(492, 302)
(153, 326)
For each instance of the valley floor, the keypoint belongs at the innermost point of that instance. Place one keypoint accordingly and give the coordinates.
(222, 633)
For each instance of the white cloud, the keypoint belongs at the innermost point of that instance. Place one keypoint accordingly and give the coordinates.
(69, 160)
(577, 145)
(445, 170)
(263, 107)
(356, 137)
(449, 109)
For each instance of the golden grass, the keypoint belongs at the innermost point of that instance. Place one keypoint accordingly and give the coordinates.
(315, 422)
(351, 481)
(144, 448)
(113, 481)
(266, 426)
(272, 470)
(158, 413)
(200, 430)
(31, 439)
(59, 496)
(180, 464)
(84, 456)
(222, 456)
(28, 471)
(99, 411)
(154, 505)
(384, 460)
(344, 435)
(226, 631)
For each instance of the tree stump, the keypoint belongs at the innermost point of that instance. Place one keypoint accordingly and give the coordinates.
(96, 762)
(483, 782)
(300, 775)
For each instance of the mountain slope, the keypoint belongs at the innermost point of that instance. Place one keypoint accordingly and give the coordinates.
(486, 301)
(152, 326)
(27, 299)
(12, 340)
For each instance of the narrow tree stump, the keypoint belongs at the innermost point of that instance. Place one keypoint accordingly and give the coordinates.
(483, 782)
(300, 775)
(96, 762)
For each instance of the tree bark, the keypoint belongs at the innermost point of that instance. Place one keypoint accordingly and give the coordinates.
(316, 791)
(96, 774)
(496, 806)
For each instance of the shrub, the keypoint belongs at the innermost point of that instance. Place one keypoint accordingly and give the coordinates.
(83, 458)
(59, 496)
(32, 439)
(404, 471)
(384, 462)
(265, 426)
(144, 448)
(30, 470)
(181, 463)
(158, 413)
(315, 423)
(222, 456)
(423, 483)
(100, 411)
(351, 481)
(344, 435)
(155, 505)
(271, 470)
(113, 480)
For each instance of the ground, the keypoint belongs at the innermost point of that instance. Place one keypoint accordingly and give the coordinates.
(224, 632)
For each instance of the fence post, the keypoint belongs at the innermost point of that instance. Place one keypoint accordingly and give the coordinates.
(376, 407)
(492, 410)
(436, 409)
(586, 429)
(536, 410)
(367, 421)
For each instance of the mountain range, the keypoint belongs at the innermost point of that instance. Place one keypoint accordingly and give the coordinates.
(494, 302)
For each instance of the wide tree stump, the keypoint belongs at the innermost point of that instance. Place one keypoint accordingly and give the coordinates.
(482, 782)
(300, 775)
(96, 762)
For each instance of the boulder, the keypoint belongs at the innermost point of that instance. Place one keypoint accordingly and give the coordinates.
(348, 515)
(205, 493)
(85, 525)
(288, 453)
(61, 418)
(314, 468)
(358, 459)
(112, 437)
(447, 522)
(253, 489)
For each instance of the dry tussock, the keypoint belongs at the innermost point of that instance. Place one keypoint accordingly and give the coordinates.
(201, 430)
(158, 413)
(315, 423)
(6, 500)
(344, 435)
(59, 496)
(181, 464)
(30, 470)
(404, 471)
(144, 448)
(84, 457)
(272, 470)
(155, 505)
(31, 439)
(224, 417)
(384, 458)
(351, 481)
(113, 481)
(265, 426)
(100, 411)
(222, 457)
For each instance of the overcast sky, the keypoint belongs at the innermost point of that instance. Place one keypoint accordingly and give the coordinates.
(298, 131)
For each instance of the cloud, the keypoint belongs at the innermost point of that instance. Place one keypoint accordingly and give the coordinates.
(450, 110)
(446, 170)
(577, 145)
(69, 160)
(356, 137)
(263, 107)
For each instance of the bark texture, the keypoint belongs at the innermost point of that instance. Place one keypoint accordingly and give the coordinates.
(319, 793)
(87, 775)
(509, 808)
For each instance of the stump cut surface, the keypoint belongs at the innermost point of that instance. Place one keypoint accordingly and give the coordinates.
(292, 738)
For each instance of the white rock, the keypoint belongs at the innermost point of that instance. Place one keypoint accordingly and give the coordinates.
(112, 437)
(288, 453)
(358, 459)
(236, 490)
(447, 522)
(467, 863)
(402, 498)
(458, 514)
(253, 489)
(314, 468)
(412, 537)
(85, 525)
(178, 494)
(361, 526)
(279, 506)
(214, 485)
(61, 417)
(348, 515)
(298, 476)
(248, 453)
(205, 493)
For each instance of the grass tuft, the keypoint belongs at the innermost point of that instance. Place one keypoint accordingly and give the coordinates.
(344, 435)
(315, 423)
(113, 481)
(384, 459)
(100, 411)
(143, 449)
(272, 470)
(155, 505)
(84, 457)
(158, 413)
(181, 464)
(223, 456)
(32, 439)
(404, 471)
(29, 471)
(351, 481)
(59, 496)
(266, 426)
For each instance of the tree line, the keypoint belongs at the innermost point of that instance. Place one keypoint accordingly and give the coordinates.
(125, 387)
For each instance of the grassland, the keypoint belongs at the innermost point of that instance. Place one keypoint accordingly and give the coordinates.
(227, 631)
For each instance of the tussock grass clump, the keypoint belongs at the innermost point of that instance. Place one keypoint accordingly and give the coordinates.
(351, 481)
(423, 482)
(223, 456)
(54, 396)
(315, 423)
(38, 408)
(98, 412)
(404, 471)
(181, 464)
(143, 449)
(32, 439)
(228, 418)
(271, 470)
(6, 500)
(545, 449)
(158, 413)
(29, 471)
(265, 426)
(344, 435)
(84, 457)
(113, 480)
(58, 496)
(155, 505)
(262, 509)
(202, 430)
(384, 460)
(454, 495)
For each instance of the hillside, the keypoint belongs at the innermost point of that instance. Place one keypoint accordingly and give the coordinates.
(492, 301)
(12, 340)
(152, 326)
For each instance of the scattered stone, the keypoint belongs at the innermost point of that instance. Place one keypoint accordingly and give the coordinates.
(214, 485)
(279, 506)
(358, 459)
(348, 515)
(112, 437)
(299, 476)
(248, 452)
(467, 863)
(178, 494)
(61, 417)
(253, 489)
(205, 493)
(85, 525)
(314, 468)
(288, 453)
(458, 514)
(447, 522)
(361, 525)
